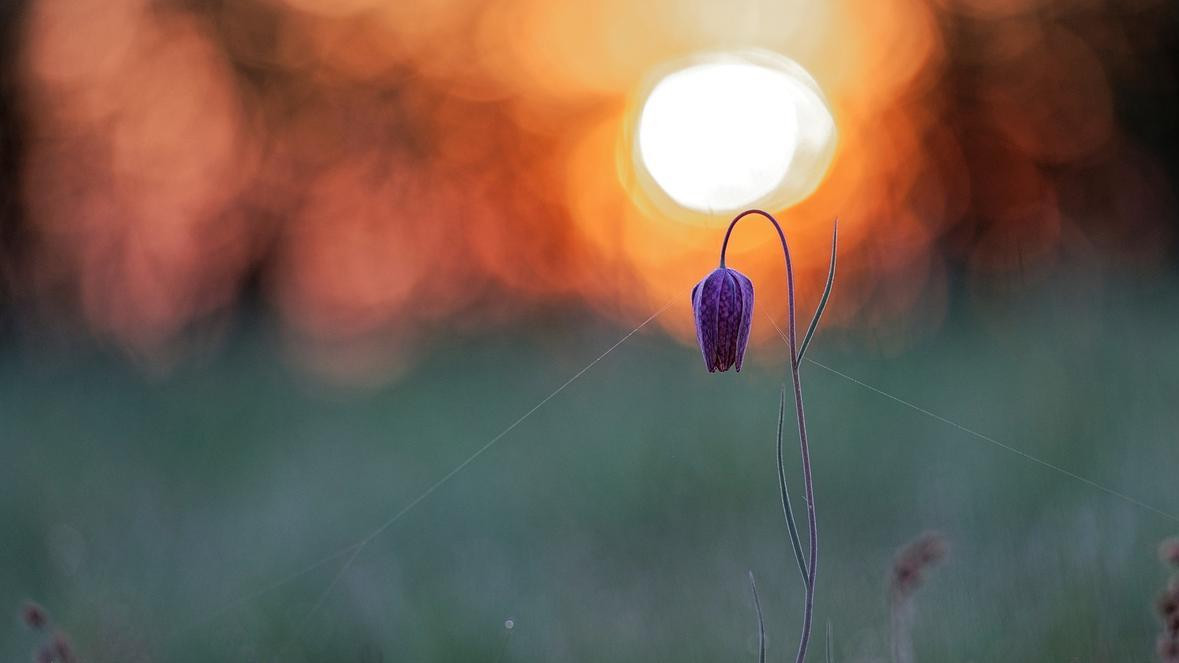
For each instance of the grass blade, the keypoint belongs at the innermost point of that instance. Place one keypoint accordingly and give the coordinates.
(761, 624)
(791, 524)
(810, 330)
(829, 659)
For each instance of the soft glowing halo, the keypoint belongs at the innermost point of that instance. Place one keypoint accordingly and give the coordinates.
(732, 130)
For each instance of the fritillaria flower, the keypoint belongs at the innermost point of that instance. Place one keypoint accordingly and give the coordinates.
(723, 305)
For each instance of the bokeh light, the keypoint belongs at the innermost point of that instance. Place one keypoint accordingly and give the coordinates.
(730, 131)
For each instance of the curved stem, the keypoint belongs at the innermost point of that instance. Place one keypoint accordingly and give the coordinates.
(808, 480)
(793, 336)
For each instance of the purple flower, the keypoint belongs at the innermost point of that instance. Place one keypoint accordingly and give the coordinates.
(723, 305)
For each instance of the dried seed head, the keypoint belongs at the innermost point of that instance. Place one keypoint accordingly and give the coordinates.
(1167, 648)
(34, 616)
(1169, 551)
(62, 649)
(1168, 604)
(723, 306)
(914, 560)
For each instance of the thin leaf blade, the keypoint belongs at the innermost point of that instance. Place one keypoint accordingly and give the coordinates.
(810, 330)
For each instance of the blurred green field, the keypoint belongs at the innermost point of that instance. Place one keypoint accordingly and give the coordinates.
(151, 515)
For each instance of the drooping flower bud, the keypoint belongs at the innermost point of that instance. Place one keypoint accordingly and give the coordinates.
(723, 306)
(34, 616)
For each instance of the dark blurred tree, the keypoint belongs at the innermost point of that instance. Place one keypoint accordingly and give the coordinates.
(11, 140)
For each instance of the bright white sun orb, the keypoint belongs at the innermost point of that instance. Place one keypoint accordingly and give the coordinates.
(733, 130)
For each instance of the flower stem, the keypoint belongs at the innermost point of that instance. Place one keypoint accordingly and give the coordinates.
(808, 480)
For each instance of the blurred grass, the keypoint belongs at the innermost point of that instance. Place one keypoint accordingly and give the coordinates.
(617, 523)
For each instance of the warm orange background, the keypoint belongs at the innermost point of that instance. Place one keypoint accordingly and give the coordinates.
(379, 171)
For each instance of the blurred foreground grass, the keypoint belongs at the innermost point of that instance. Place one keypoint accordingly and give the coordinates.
(617, 522)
